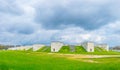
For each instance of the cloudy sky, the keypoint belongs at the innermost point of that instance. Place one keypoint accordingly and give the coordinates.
(26, 22)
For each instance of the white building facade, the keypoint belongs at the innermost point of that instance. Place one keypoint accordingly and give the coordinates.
(23, 48)
(88, 46)
(56, 46)
(37, 47)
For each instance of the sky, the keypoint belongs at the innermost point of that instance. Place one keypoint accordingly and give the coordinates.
(25, 22)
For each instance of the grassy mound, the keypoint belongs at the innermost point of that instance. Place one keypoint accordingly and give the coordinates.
(98, 49)
(79, 49)
(44, 49)
(48, 49)
(31, 49)
(65, 49)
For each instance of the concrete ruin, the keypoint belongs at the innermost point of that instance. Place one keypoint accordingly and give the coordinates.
(88, 46)
(34, 47)
(104, 46)
(37, 47)
(13, 48)
(56, 46)
(21, 48)
(24, 48)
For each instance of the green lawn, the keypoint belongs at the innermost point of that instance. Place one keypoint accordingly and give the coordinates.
(99, 53)
(25, 60)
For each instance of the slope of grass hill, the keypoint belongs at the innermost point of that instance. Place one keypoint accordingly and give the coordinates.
(65, 49)
(98, 49)
(31, 49)
(44, 49)
(79, 49)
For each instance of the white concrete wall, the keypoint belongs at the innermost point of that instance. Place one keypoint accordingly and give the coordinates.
(28, 47)
(56, 46)
(88, 46)
(24, 48)
(37, 47)
(13, 48)
(104, 46)
(21, 48)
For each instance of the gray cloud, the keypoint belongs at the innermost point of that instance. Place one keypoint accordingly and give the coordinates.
(83, 14)
(21, 29)
(10, 7)
(43, 21)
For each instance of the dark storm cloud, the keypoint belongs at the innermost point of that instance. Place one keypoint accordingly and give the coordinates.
(87, 16)
(21, 29)
(70, 21)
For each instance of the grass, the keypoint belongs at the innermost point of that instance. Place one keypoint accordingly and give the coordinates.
(22, 60)
(98, 49)
(107, 60)
(31, 49)
(48, 49)
(44, 49)
(79, 49)
(99, 53)
(65, 49)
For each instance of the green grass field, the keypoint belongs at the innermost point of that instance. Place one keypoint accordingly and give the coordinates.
(26, 60)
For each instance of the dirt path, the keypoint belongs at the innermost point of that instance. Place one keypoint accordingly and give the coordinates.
(85, 58)
(83, 55)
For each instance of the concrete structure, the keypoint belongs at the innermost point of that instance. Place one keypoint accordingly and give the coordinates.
(21, 48)
(56, 46)
(34, 47)
(72, 48)
(88, 46)
(104, 46)
(24, 48)
(13, 48)
(37, 47)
